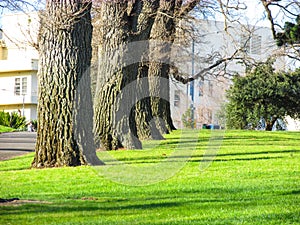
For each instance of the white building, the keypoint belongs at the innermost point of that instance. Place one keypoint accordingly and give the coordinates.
(19, 64)
(292, 125)
(208, 95)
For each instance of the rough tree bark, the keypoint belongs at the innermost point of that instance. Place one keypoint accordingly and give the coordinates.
(163, 32)
(114, 120)
(64, 134)
(154, 114)
(146, 126)
(122, 23)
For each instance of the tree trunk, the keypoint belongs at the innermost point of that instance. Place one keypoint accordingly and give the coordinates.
(270, 123)
(115, 125)
(146, 126)
(64, 134)
(162, 33)
(124, 116)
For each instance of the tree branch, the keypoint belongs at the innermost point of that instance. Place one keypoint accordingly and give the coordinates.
(17, 5)
(266, 4)
(201, 74)
(285, 8)
(186, 8)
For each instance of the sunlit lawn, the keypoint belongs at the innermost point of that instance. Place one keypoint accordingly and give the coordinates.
(254, 179)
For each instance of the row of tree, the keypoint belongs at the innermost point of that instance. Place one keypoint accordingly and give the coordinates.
(65, 113)
(131, 95)
(122, 116)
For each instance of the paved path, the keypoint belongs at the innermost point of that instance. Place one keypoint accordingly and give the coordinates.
(16, 143)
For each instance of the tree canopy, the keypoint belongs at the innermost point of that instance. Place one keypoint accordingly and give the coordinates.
(263, 94)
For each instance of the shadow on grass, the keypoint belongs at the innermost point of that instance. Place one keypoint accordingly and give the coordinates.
(107, 205)
(240, 159)
(16, 149)
(82, 206)
(199, 158)
(255, 153)
(269, 137)
(139, 204)
(294, 192)
(173, 143)
(133, 206)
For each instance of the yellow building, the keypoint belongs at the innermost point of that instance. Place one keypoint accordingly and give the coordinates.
(19, 64)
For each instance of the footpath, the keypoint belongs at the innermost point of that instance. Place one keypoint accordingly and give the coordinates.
(16, 143)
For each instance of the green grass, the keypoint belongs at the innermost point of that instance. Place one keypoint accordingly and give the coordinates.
(254, 179)
(5, 129)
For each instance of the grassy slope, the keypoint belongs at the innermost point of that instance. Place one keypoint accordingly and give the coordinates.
(254, 180)
(5, 129)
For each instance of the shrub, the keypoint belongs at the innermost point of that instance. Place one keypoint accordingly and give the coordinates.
(13, 120)
(4, 119)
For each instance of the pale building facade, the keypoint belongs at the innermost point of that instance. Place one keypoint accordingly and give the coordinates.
(19, 64)
(206, 96)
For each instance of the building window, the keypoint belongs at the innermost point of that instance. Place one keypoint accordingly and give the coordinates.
(177, 98)
(245, 43)
(200, 85)
(210, 88)
(251, 45)
(24, 86)
(21, 86)
(256, 45)
(17, 86)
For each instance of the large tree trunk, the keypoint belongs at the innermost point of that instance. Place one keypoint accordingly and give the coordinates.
(145, 122)
(162, 37)
(114, 118)
(124, 116)
(146, 126)
(64, 134)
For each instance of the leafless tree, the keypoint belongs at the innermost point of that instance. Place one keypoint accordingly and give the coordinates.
(279, 13)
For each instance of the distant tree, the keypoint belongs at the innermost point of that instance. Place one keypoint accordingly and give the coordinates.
(187, 119)
(291, 33)
(284, 18)
(263, 94)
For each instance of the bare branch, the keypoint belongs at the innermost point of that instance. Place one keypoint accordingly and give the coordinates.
(186, 8)
(284, 8)
(201, 73)
(19, 5)
(266, 4)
